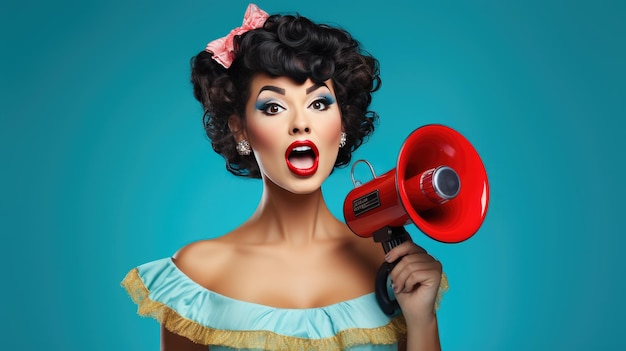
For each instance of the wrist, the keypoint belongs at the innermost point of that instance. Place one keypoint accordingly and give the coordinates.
(422, 320)
(423, 334)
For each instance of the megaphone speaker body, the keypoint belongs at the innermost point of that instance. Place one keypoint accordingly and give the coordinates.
(406, 194)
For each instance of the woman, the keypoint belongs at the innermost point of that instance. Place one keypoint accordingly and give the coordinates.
(286, 101)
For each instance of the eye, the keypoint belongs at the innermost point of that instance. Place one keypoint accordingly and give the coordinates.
(271, 108)
(322, 103)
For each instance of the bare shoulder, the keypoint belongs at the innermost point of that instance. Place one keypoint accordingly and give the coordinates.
(204, 261)
(190, 254)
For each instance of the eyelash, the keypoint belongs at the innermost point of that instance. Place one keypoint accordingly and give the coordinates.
(265, 106)
(326, 100)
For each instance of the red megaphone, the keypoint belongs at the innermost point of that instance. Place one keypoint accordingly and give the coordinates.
(439, 184)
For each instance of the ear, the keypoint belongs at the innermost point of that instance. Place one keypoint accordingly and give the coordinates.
(235, 124)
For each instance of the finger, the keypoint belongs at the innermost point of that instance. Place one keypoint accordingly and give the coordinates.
(406, 248)
(427, 276)
(411, 262)
(423, 279)
(415, 262)
(414, 270)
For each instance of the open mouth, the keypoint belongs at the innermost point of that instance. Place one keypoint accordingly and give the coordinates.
(302, 157)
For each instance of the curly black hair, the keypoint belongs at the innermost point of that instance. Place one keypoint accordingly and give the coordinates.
(298, 48)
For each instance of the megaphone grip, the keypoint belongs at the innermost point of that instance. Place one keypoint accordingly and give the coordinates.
(389, 237)
(386, 304)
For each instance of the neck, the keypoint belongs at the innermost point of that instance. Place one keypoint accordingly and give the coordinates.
(291, 218)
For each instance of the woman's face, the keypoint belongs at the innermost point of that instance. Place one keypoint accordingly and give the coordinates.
(293, 130)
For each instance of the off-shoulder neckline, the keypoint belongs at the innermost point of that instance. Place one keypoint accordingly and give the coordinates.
(170, 262)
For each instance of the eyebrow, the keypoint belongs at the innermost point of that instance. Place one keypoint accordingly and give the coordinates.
(314, 87)
(278, 90)
(281, 91)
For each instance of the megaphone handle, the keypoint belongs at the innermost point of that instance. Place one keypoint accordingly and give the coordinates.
(389, 237)
(386, 304)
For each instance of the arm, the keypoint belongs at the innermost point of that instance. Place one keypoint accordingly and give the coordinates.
(416, 279)
(175, 342)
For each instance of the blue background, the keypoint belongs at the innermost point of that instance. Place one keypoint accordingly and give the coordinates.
(105, 164)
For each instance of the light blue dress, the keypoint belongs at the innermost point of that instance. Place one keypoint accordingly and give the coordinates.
(184, 307)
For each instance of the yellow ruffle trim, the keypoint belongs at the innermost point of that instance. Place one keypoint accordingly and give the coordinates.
(443, 287)
(391, 333)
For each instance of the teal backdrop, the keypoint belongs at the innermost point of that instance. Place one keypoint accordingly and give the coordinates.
(105, 164)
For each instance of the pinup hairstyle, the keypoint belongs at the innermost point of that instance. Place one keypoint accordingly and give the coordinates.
(295, 47)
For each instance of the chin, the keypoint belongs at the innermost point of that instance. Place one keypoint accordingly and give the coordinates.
(307, 187)
(301, 185)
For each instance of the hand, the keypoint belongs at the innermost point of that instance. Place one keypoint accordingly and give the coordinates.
(415, 278)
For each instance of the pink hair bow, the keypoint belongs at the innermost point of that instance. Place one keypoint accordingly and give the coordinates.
(223, 49)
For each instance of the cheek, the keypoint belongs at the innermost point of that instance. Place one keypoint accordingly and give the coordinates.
(329, 134)
(262, 136)
(331, 129)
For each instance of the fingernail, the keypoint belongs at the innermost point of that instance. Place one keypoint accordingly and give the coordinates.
(387, 257)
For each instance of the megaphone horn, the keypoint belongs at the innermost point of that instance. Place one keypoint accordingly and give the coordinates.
(439, 184)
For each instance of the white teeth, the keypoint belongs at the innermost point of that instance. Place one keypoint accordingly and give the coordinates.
(301, 148)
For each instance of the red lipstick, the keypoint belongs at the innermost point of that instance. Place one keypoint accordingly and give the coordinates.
(302, 158)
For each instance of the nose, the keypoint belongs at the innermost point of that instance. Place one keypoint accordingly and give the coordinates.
(300, 124)
(297, 130)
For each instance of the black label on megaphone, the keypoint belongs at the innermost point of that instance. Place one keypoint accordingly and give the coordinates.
(366, 203)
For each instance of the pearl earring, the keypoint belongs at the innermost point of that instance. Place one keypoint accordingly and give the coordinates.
(243, 148)
(342, 140)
